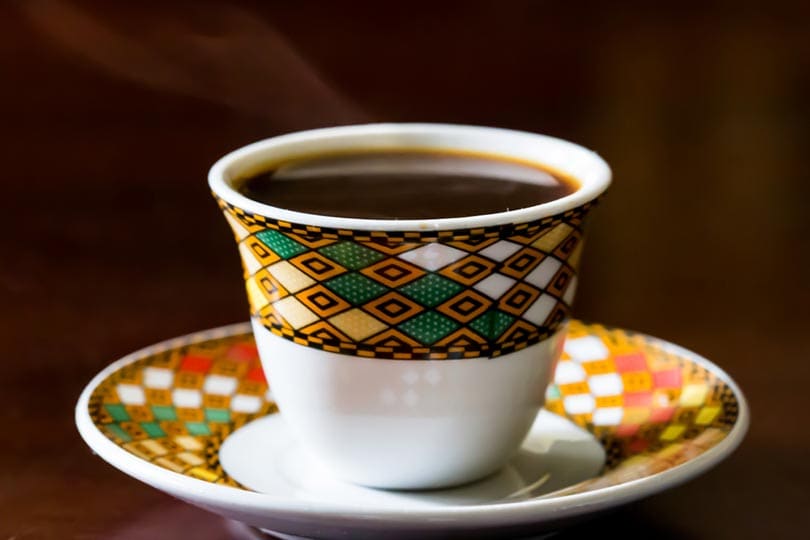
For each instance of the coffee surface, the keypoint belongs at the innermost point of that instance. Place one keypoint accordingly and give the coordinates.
(405, 184)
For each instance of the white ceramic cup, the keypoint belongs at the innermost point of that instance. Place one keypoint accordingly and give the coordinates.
(386, 399)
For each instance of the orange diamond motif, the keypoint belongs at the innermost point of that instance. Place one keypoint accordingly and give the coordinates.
(262, 252)
(557, 316)
(322, 301)
(560, 281)
(469, 270)
(393, 338)
(325, 332)
(269, 285)
(465, 306)
(392, 248)
(521, 263)
(463, 337)
(519, 331)
(270, 318)
(518, 298)
(393, 308)
(317, 266)
(393, 272)
(568, 245)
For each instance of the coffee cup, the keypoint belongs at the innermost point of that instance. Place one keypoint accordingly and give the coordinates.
(410, 353)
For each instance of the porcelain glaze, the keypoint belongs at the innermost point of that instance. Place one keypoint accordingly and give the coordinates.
(379, 336)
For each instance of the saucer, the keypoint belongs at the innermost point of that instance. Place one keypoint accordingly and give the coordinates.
(265, 457)
(627, 416)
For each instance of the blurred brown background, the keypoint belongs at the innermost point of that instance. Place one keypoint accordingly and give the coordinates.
(112, 113)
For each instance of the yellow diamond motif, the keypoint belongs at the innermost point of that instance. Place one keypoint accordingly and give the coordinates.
(249, 261)
(203, 474)
(256, 297)
(290, 277)
(672, 432)
(707, 415)
(576, 255)
(189, 443)
(693, 395)
(191, 459)
(357, 324)
(155, 447)
(635, 415)
(549, 241)
(670, 451)
(171, 464)
(294, 312)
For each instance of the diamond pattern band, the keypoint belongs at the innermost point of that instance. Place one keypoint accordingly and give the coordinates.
(456, 294)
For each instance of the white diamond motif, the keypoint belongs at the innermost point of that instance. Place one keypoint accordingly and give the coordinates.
(157, 377)
(541, 276)
(290, 277)
(586, 349)
(609, 384)
(130, 394)
(608, 416)
(252, 265)
(185, 397)
(540, 310)
(433, 256)
(500, 251)
(219, 385)
(569, 372)
(246, 404)
(495, 285)
(294, 312)
(579, 404)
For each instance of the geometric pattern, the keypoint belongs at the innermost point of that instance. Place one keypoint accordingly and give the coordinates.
(638, 398)
(456, 294)
(649, 407)
(174, 406)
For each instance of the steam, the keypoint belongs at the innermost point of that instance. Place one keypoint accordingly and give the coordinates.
(221, 54)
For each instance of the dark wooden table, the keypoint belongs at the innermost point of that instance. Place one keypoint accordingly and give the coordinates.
(112, 115)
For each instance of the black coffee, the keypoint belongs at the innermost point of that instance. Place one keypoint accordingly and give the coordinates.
(405, 184)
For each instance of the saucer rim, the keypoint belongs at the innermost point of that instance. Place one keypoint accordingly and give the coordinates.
(214, 496)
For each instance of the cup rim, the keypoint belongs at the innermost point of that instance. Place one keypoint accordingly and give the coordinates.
(591, 171)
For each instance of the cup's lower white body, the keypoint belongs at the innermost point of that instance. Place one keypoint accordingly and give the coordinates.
(407, 424)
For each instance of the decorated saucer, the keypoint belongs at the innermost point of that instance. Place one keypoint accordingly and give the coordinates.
(628, 415)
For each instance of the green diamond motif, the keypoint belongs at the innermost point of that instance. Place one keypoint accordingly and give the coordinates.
(282, 245)
(164, 412)
(492, 324)
(553, 392)
(118, 412)
(198, 428)
(431, 290)
(118, 431)
(218, 415)
(355, 288)
(428, 327)
(153, 429)
(351, 255)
